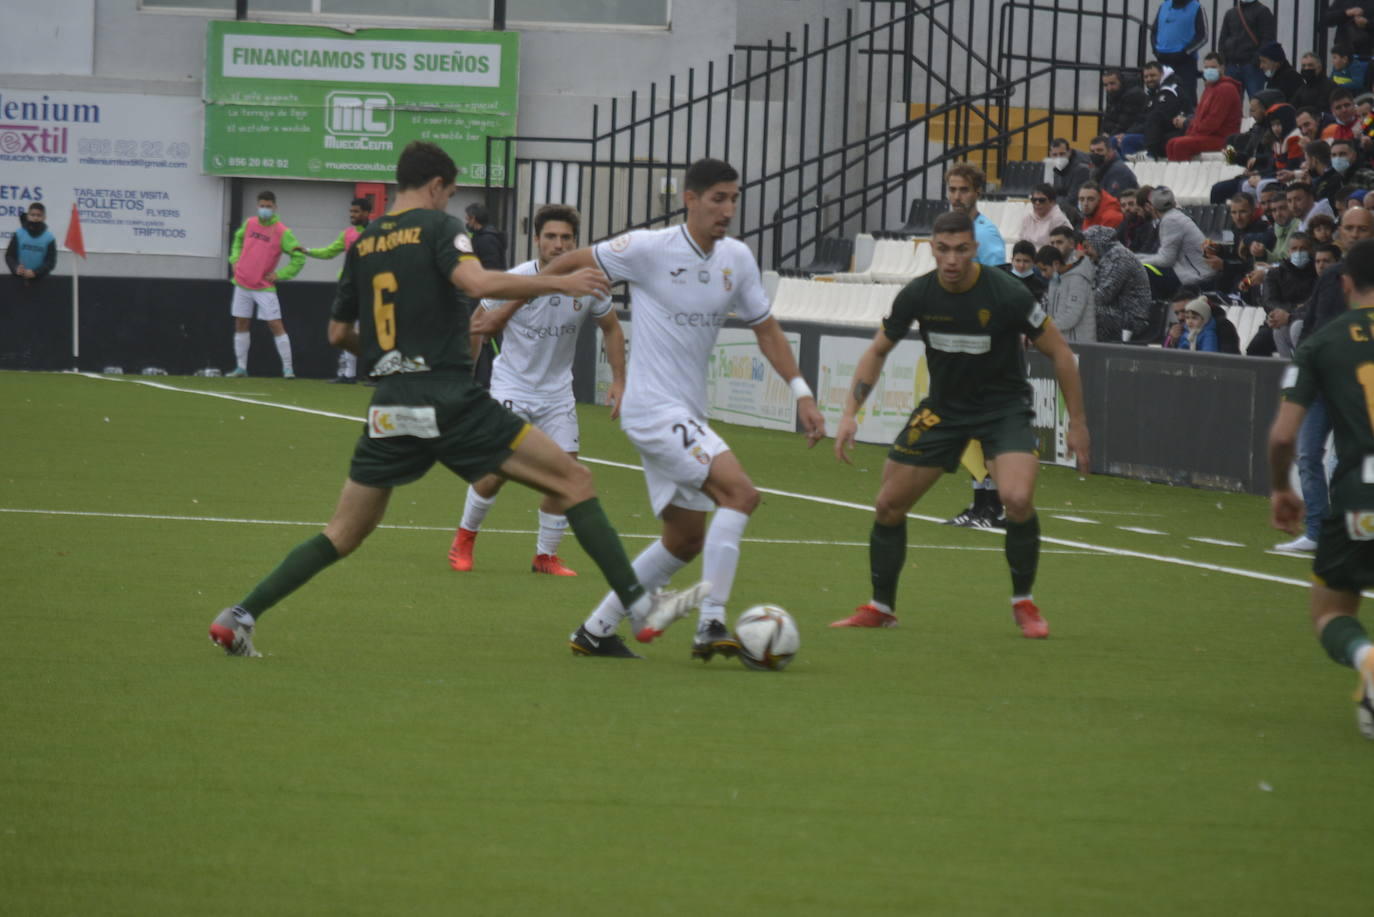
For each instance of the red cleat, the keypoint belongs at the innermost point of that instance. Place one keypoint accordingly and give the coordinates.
(1028, 619)
(550, 564)
(460, 552)
(867, 616)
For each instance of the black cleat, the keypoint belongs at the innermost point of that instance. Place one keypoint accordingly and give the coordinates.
(714, 638)
(583, 643)
(967, 519)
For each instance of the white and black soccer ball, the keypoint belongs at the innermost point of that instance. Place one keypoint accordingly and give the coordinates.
(768, 638)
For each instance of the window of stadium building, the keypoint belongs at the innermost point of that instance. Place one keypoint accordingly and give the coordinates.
(562, 12)
(590, 12)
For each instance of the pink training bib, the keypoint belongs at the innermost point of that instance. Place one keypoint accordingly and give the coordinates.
(350, 236)
(261, 251)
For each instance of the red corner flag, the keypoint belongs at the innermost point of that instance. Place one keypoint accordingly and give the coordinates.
(74, 242)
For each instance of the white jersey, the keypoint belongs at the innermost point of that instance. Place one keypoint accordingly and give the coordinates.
(680, 298)
(539, 343)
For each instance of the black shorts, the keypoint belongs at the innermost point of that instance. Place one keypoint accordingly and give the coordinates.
(1342, 562)
(417, 419)
(932, 441)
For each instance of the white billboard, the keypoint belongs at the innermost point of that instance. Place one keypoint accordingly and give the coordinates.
(902, 384)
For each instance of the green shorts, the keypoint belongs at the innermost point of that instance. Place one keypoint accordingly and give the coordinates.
(932, 441)
(415, 420)
(1342, 562)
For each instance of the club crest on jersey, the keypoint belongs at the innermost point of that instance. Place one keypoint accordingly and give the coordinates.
(703, 276)
(700, 455)
(984, 316)
(725, 275)
(620, 243)
(463, 243)
(1360, 525)
(577, 305)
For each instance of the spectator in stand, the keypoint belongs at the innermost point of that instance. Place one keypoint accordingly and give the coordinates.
(1217, 117)
(1345, 158)
(1369, 201)
(1327, 182)
(1227, 337)
(1121, 287)
(1232, 262)
(1174, 333)
(1286, 286)
(1250, 149)
(1166, 105)
(1279, 75)
(32, 252)
(1351, 20)
(1124, 110)
(1305, 206)
(1326, 255)
(1286, 153)
(1322, 229)
(1180, 258)
(1136, 231)
(1354, 197)
(1310, 123)
(1069, 297)
(1273, 246)
(1098, 208)
(1346, 69)
(1110, 172)
(1178, 33)
(1316, 88)
(1071, 169)
(1245, 28)
(1044, 215)
(1345, 116)
(1022, 267)
(1067, 239)
(1199, 328)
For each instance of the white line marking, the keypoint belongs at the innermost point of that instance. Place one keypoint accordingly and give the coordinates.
(1140, 531)
(1221, 541)
(1105, 512)
(1062, 542)
(1076, 519)
(1300, 555)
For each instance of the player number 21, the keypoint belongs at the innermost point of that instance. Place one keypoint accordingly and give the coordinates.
(383, 310)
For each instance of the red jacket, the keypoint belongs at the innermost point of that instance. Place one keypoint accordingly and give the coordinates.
(1218, 111)
(1108, 213)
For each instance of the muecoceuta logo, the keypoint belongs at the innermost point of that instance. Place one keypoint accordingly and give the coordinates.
(355, 120)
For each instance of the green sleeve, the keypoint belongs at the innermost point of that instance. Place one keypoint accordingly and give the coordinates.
(898, 322)
(236, 248)
(332, 250)
(289, 246)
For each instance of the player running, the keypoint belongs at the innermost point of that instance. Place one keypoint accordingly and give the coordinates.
(532, 376)
(684, 282)
(398, 282)
(971, 320)
(359, 213)
(1337, 364)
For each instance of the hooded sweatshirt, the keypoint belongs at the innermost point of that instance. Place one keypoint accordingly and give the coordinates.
(1120, 287)
(1218, 111)
(33, 247)
(1108, 213)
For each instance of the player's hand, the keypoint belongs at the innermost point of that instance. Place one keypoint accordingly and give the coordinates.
(614, 397)
(1080, 445)
(844, 439)
(813, 421)
(271, 278)
(587, 281)
(1277, 318)
(1286, 511)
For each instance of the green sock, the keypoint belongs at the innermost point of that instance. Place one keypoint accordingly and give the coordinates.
(1342, 636)
(594, 532)
(1023, 553)
(886, 555)
(304, 561)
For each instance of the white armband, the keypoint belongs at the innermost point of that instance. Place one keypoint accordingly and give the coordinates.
(800, 389)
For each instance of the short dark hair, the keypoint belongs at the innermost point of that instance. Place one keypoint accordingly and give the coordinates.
(1312, 112)
(1128, 194)
(1067, 232)
(1343, 141)
(1330, 248)
(1185, 293)
(266, 195)
(969, 173)
(36, 204)
(1046, 189)
(479, 213)
(1152, 65)
(363, 202)
(557, 213)
(1324, 220)
(1340, 92)
(707, 173)
(1277, 187)
(1302, 186)
(1360, 267)
(1343, 48)
(1299, 236)
(1319, 150)
(1090, 186)
(1216, 56)
(1048, 254)
(1059, 141)
(952, 222)
(422, 161)
(1101, 138)
(1024, 247)
(1241, 198)
(1113, 71)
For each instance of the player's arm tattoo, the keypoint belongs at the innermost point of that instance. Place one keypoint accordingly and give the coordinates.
(861, 390)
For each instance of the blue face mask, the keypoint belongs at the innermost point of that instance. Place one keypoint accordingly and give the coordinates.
(1211, 74)
(1299, 259)
(1340, 163)
(266, 213)
(1025, 273)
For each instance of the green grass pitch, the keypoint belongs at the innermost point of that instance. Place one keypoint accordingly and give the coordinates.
(418, 741)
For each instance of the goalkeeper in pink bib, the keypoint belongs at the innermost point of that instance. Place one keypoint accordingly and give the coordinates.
(258, 246)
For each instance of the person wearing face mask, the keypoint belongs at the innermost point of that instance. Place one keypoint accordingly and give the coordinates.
(258, 246)
(359, 214)
(1179, 32)
(1109, 171)
(1316, 88)
(1217, 117)
(1022, 267)
(1071, 169)
(1069, 293)
(1286, 286)
(1278, 73)
(1326, 181)
(1245, 28)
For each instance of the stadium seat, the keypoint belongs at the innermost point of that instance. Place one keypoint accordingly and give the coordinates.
(833, 254)
(920, 217)
(1018, 178)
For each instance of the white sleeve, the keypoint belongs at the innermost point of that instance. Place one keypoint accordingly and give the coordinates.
(751, 302)
(624, 257)
(601, 305)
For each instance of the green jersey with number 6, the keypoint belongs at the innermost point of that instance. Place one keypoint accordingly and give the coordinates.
(396, 285)
(1337, 363)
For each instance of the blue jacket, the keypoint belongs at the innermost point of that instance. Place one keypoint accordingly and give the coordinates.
(1206, 338)
(992, 251)
(1180, 29)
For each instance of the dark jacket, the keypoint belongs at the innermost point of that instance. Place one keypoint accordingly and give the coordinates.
(1165, 105)
(1067, 182)
(1288, 81)
(1124, 111)
(1287, 287)
(1139, 237)
(489, 245)
(1329, 185)
(1115, 177)
(33, 231)
(1235, 41)
(1314, 93)
(1326, 302)
(1362, 40)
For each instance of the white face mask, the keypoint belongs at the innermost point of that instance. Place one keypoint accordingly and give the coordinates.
(1340, 163)
(1025, 273)
(265, 213)
(1211, 74)
(1299, 259)
(1059, 162)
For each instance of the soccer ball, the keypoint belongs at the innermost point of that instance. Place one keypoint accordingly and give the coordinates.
(768, 638)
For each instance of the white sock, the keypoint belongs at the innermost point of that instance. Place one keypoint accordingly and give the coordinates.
(719, 560)
(348, 364)
(284, 351)
(654, 566)
(551, 529)
(241, 339)
(989, 483)
(977, 484)
(1022, 598)
(475, 509)
(881, 606)
(1360, 655)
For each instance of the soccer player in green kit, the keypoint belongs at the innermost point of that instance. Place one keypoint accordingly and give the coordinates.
(972, 320)
(398, 283)
(1337, 364)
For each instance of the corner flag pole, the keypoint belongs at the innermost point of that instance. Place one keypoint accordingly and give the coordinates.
(77, 245)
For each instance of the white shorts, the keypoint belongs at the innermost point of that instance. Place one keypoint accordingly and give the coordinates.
(269, 307)
(558, 419)
(677, 451)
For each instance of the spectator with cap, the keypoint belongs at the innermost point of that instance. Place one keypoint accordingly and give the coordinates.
(1098, 207)
(1069, 294)
(1316, 86)
(1043, 216)
(1179, 32)
(1352, 197)
(1245, 28)
(1121, 287)
(1199, 328)
(1180, 257)
(1217, 116)
(1278, 73)
(1351, 20)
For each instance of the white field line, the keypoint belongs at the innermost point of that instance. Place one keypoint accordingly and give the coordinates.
(1062, 542)
(1221, 541)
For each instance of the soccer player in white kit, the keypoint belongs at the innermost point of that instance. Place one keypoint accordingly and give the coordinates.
(684, 282)
(532, 376)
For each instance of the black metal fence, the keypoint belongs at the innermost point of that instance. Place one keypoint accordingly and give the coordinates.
(837, 127)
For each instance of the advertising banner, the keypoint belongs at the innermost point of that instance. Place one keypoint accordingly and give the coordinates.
(1051, 422)
(902, 384)
(129, 162)
(316, 103)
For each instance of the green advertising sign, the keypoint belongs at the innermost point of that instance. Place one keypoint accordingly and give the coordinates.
(308, 102)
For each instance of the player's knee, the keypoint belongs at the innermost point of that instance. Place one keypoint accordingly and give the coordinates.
(888, 510)
(743, 498)
(578, 484)
(685, 546)
(1019, 505)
